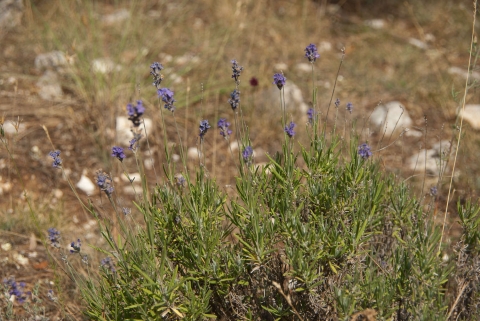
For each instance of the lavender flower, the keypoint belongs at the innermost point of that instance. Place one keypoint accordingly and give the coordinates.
(167, 97)
(289, 129)
(337, 102)
(433, 191)
(310, 114)
(247, 154)
(234, 100)
(108, 264)
(181, 181)
(54, 237)
(57, 161)
(135, 112)
(126, 211)
(155, 68)
(279, 80)
(223, 126)
(51, 295)
(311, 53)
(75, 248)
(204, 126)
(236, 70)
(349, 107)
(134, 142)
(15, 289)
(364, 151)
(104, 181)
(118, 153)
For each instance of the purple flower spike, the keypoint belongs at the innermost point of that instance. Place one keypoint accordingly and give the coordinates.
(349, 107)
(311, 53)
(236, 70)
(223, 126)
(279, 80)
(167, 97)
(135, 112)
(247, 154)
(54, 237)
(337, 102)
(289, 129)
(118, 153)
(75, 248)
(234, 100)
(204, 126)
(364, 151)
(155, 69)
(104, 181)
(310, 114)
(57, 161)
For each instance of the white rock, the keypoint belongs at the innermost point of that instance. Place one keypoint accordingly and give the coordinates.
(304, 67)
(193, 153)
(49, 87)
(375, 23)
(135, 177)
(270, 98)
(115, 17)
(417, 43)
(234, 145)
(390, 117)
(431, 160)
(57, 193)
(281, 66)
(11, 127)
(20, 259)
(148, 163)
(11, 12)
(123, 129)
(51, 59)
(324, 46)
(104, 66)
(6, 247)
(413, 133)
(471, 115)
(175, 157)
(463, 73)
(86, 185)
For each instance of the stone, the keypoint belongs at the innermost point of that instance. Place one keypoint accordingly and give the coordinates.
(11, 12)
(417, 43)
(115, 17)
(375, 23)
(463, 73)
(390, 117)
(12, 127)
(471, 114)
(123, 130)
(49, 87)
(193, 153)
(50, 60)
(303, 67)
(104, 66)
(270, 98)
(135, 177)
(431, 160)
(86, 185)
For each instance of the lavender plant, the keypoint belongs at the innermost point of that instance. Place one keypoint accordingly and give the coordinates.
(314, 235)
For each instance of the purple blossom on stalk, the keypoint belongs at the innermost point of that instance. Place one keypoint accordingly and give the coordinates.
(349, 107)
(155, 68)
(337, 102)
(310, 114)
(311, 53)
(433, 191)
(364, 151)
(135, 112)
(236, 70)
(75, 247)
(167, 97)
(57, 161)
(223, 125)
(104, 181)
(204, 126)
(234, 100)
(108, 264)
(279, 80)
(54, 237)
(247, 154)
(15, 289)
(126, 211)
(117, 152)
(134, 142)
(289, 129)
